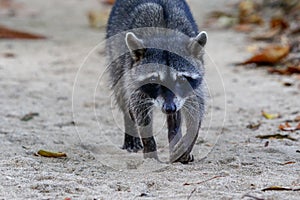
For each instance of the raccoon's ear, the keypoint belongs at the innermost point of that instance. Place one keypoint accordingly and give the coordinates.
(135, 46)
(197, 44)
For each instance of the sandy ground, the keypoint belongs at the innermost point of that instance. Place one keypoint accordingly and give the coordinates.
(41, 76)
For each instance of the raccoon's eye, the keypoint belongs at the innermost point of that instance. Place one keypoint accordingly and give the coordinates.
(194, 82)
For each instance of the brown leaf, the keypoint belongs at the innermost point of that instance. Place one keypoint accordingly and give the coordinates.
(269, 55)
(297, 119)
(50, 154)
(288, 163)
(9, 55)
(109, 2)
(277, 188)
(7, 33)
(275, 136)
(279, 23)
(98, 19)
(285, 71)
(248, 13)
(288, 127)
(254, 126)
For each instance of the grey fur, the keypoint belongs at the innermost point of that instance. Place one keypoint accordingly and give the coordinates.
(158, 39)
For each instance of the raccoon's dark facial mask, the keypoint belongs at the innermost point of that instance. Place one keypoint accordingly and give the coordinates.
(183, 86)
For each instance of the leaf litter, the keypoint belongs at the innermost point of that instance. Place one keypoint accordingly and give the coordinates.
(265, 22)
(8, 33)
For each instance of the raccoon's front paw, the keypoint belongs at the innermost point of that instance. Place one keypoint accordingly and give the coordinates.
(132, 144)
(186, 159)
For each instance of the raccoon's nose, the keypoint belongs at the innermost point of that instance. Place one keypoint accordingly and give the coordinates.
(169, 108)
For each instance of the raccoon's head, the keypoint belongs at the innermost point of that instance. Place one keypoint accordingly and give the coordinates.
(168, 70)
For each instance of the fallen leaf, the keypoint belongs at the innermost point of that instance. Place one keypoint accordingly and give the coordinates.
(279, 23)
(109, 2)
(285, 71)
(98, 18)
(7, 33)
(29, 116)
(297, 119)
(277, 188)
(253, 48)
(269, 55)
(9, 55)
(288, 127)
(288, 163)
(254, 126)
(276, 136)
(248, 13)
(50, 154)
(288, 84)
(269, 115)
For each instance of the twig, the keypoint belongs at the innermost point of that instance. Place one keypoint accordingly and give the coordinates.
(198, 183)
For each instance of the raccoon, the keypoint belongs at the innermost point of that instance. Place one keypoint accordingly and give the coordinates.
(156, 53)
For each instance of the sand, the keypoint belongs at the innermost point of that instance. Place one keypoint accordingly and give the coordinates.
(63, 79)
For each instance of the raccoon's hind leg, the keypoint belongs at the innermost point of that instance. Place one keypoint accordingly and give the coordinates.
(132, 141)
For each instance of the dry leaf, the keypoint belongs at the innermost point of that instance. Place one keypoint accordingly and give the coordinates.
(7, 33)
(285, 71)
(109, 2)
(269, 115)
(276, 188)
(248, 13)
(9, 55)
(279, 23)
(297, 119)
(288, 163)
(254, 126)
(269, 55)
(275, 136)
(98, 18)
(50, 154)
(288, 127)
(29, 116)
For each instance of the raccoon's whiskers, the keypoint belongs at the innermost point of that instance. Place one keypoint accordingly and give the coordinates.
(189, 108)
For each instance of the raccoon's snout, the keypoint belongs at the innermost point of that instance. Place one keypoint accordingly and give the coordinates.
(169, 108)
